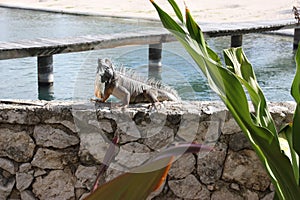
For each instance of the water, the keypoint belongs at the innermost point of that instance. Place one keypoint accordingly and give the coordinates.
(271, 56)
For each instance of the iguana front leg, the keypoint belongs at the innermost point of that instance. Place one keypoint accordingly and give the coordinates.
(107, 93)
(122, 94)
(98, 87)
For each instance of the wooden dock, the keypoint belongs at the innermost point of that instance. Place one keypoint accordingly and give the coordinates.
(45, 48)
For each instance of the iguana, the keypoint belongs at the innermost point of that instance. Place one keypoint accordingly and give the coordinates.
(126, 86)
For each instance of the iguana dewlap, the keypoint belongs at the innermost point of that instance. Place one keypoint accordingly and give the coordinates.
(128, 87)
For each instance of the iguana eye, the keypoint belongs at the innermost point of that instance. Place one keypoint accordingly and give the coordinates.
(104, 78)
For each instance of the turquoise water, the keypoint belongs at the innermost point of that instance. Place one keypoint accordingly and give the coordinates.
(271, 56)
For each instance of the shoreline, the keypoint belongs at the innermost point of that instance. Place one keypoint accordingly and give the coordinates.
(204, 11)
(78, 12)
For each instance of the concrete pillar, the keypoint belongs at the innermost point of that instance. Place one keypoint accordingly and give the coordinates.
(296, 38)
(46, 92)
(155, 52)
(45, 70)
(236, 40)
(45, 78)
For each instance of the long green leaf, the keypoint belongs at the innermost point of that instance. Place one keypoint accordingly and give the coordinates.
(286, 144)
(176, 10)
(213, 55)
(194, 30)
(168, 21)
(238, 63)
(141, 181)
(135, 185)
(227, 85)
(296, 128)
(295, 90)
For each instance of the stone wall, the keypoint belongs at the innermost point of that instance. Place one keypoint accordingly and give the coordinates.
(53, 150)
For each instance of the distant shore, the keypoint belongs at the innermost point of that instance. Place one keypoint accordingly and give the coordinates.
(204, 10)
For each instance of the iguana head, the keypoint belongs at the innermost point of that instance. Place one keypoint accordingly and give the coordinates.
(104, 74)
(105, 70)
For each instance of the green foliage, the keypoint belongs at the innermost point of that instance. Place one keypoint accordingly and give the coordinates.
(277, 152)
(141, 181)
(137, 184)
(295, 91)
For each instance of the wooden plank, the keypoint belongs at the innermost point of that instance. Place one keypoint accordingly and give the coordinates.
(47, 46)
(220, 29)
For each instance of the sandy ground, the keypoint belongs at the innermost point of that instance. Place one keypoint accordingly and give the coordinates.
(202, 10)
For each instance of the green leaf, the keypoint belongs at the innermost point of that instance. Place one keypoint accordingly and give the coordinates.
(286, 144)
(295, 90)
(176, 9)
(167, 21)
(194, 30)
(227, 83)
(136, 185)
(296, 129)
(141, 181)
(238, 63)
(213, 55)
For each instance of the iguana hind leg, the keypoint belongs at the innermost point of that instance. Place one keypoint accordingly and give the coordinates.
(151, 96)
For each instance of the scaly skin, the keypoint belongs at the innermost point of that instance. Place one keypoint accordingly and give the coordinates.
(128, 88)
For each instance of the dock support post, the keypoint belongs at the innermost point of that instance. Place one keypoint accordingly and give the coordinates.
(296, 38)
(46, 93)
(154, 68)
(45, 70)
(236, 40)
(45, 77)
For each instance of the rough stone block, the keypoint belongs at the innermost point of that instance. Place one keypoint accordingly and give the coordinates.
(6, 186)
(224, 193)
(27, 195)
(160, 139)
(183, 166)
(188, 127)
(106, 126)
(18, 146)
(24, 180)
(245, 168)
(132, 155)
(86, 176)
(189, 188)
(58, 184)
(230, 127)
(47, 136)
(238, 141)
(250, 195)
(7, 165)
(208, 132)
(60, 120)
(210, 164)
(93, 147)
(269, 196)
(50, 159)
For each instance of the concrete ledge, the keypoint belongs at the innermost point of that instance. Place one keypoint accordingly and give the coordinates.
(44, 145)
